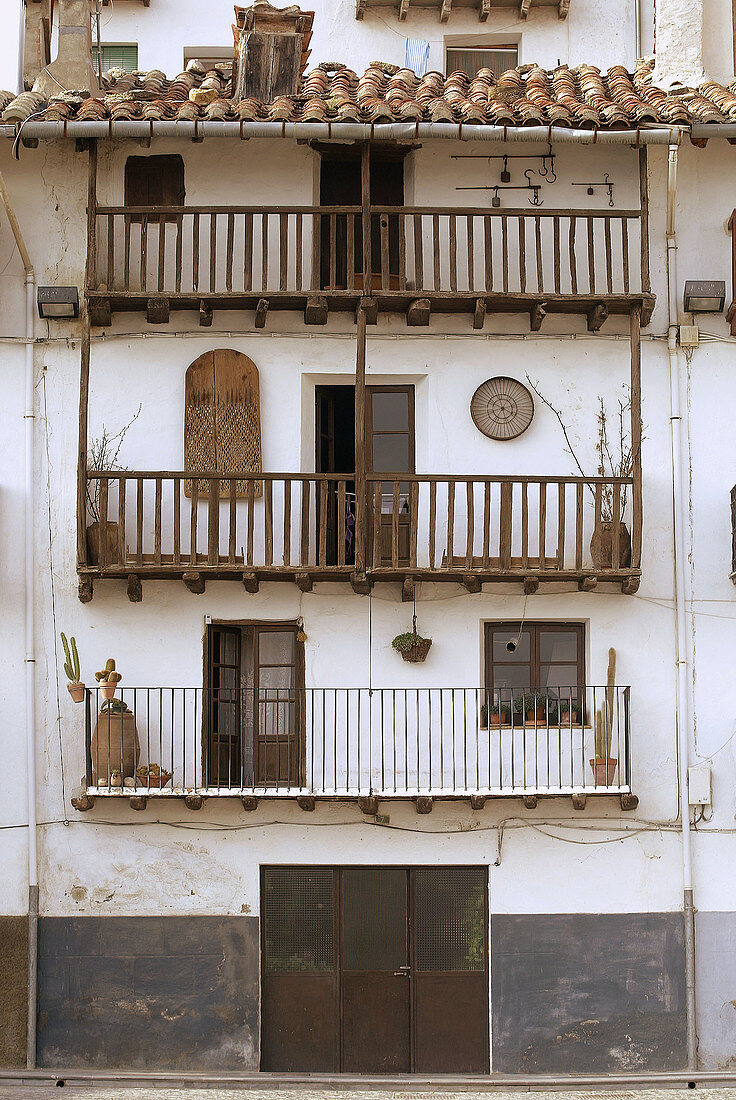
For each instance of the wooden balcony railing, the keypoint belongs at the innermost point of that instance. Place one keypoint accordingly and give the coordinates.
(532, 259)
(349, 743)
(303, 527)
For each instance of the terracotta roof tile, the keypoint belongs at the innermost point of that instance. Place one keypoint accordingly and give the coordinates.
(526, 96)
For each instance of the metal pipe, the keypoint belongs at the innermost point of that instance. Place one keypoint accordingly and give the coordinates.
(343, 131)
(680, 556)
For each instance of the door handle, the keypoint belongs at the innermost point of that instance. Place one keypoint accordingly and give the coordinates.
(402, 972)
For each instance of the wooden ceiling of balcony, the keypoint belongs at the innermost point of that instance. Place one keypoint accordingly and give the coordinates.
(446, 7)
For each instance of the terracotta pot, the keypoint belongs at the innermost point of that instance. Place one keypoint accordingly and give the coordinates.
(115, 745)
(536, 717)
(601, 545)
(569, 718)
(604, 770)
(114, 553)
(376, 281)
(160, 779)
(76, 691)
(107, 691)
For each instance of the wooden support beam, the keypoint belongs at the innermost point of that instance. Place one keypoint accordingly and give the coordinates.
(445, 10)
(629, 801)
(536, 315)
(424, 804)
(250, 583)
(597, 316)
(635, 414)
(479, 313)
(305, 802)
(304, 582)
(194, 582)
(403, 10)
(630, 586)
(157, 310)
(83, 802)
(205, 315)
(316, 310)
(250, 802)
(531, 585)
(524, 8)
(261, 311)
(472, 583)
(530, 801)
(361, 491)
(370, 308)
(418, 313)
(134, 588)
(484, 10)
(579, 801)
(361, 584)
(563, 8)
(90, 276)
(138, 802)
(477, 801)
(193, 801)
(100, 312)
(587, 584)
(407, 590)
(368, 805)
(360, 8)
(84, 589)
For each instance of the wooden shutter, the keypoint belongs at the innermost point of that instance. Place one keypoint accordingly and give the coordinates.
(154, 181)
(222, 420)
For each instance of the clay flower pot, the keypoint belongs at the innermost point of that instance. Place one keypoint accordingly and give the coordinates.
(76, 690)
(604, 770)
(108, 690)
(536, 717)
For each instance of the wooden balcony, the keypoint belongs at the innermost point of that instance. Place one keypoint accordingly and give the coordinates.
(305, 527)
(423, 260)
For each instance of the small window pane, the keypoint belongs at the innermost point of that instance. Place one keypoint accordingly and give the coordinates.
(467, 60)
(276, 677)
(374, 919)
(558, 645)
(512, 676)
(391, 412)
(450, 919)
(502, 638)
(276, 647)
(558, 676)
(390, 453)
(297, 920)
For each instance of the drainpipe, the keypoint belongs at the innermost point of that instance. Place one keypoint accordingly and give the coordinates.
(30, 654)
(682, 683)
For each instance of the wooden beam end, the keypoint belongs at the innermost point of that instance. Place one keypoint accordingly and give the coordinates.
(250, 802)
(138, 802)
(407, 590)
(579, 801)
(304, 582)
(250, 583)
(419, 312)
(596, 316)
(193, 801)
(306, 802)
(587, 584)
(477, 801)
(194, 582)
(84, 589)
(424, 804)
(134, 588)
(205, 315)
(316, 311)
(530, 801)
(472, 583)
(370, 309)
(361, 584)
(83, 802)
(536, 315)
(531, 585)
(368, 805)
(100, 312)
(261, 311)
(630, 586)
(629, 801)
(479, 313)
(157, 310)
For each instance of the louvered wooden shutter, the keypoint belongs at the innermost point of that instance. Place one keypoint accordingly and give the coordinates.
(222, 419)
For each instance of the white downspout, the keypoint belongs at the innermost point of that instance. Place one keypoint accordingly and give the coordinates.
(30, 615)
(680, 554)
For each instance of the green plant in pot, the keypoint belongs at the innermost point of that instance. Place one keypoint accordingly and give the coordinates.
(412, 646)
(532, 706)
(75, 687)
(569, 711)
(498, 711)
(603, 764)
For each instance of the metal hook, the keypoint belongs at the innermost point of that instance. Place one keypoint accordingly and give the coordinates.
(505, 174)
(496, 198)
(535, 200)
(609, 185)
(552, 175)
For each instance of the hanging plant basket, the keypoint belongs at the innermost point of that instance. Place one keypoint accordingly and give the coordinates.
(412, 647)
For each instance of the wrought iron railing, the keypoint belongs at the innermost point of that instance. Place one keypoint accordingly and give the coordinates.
(358, 742)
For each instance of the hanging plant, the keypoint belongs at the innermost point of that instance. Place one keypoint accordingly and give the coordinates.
(412, 646)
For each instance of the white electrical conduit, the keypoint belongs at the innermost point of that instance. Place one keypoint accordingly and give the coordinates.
(682, 680)
(30, 653)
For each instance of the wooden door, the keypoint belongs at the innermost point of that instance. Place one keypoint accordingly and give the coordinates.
(278, 713)
(335, 454)
(390, 450)
(224, 707)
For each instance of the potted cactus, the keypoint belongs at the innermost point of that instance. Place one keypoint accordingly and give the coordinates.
(108, 679)
(603, 764)
(75, 687)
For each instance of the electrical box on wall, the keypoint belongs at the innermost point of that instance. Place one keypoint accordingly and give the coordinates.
(699, 785)
(689, 336)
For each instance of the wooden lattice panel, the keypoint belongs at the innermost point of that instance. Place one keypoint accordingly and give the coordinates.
(222, 420)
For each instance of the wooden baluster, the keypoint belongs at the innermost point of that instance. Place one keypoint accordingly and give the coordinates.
(401, 219)
(229, 252)
(598, 504)
(395, 510)
(625, 252)
(505, 524)
(522, 253)
(193, 515)
(268, 519)
(579, 517)
(504, 253)
(350, 260)
(573, 261)
(177, 521)
(305, 523)
(453, 253)
(333, 251)
(213, 252)
(377, 505)
(139, 520)
(471, 251)
(488, 241)
(524, 524)
(418, 252)
(385, 255)
(110, 250)
(561, 490)
(341, 513)
(591, 255)
(283, 250)
(213, 521)
(102, 525)
(232, 523)
(450, 524)
(251, 495)
(287, 521)
(157, 523)
(436, 249)
(264, 251)
(161, 251)
(126, 251)
(248, 252)
(556, 251)
(413, 522)
(195, 250)
(616, 530)
(609, 257)
(317, 254)
(542, 524)
(298, 255)
(178, 252)
(432, 522)
(538, 245)
(486, 525)
(122, 487)
(322, 551)
(470, 520)
(144, 247)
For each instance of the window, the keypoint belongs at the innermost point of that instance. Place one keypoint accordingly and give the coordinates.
(540, 657)
(117, 55)
(254, 705)
(469, 59)
(154, 181)
(209, 56)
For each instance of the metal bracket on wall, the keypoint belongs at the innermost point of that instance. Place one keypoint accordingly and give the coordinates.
(606, 182)
(546, 170)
